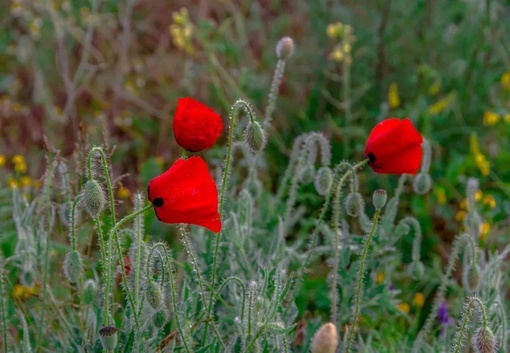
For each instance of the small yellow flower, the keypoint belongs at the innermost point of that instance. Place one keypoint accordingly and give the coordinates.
(442, 104)
(478, 195)
(435, 88)
(490, 201)
(3, 160)
(23, 293)
(379, 278)
(123, 192)
(490, 118)
(333, 30)
(485, 228)
(441, 196)
(12, 183)
(336, 55)
(483, 164)
(18, 158)
(404, 307)
(20, 165)
(419, 300)
(463, 204)
(505, 80)
(460, 215)
(393, 97)
(25, 181)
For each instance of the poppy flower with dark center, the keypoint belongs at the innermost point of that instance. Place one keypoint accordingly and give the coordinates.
(394, 147)
(196, 126)
(186, 193)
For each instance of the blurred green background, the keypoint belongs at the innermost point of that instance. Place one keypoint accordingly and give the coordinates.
(81, 73)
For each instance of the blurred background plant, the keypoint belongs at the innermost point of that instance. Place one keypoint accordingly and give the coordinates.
(103, 72)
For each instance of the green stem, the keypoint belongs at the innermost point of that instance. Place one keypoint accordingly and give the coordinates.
(3, 309)
(346, 101)
(461, 334)
(113, 234)
(359, 281)
(73, 236)
(139, 235)
(234, 115)
(170, 271)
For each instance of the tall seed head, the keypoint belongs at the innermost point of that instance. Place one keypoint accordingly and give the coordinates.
(484, 341)
(73, 266)
(93, 198)
(325, 339)
(285, 48)
(255, 137)
(108, 337)
(379, 198)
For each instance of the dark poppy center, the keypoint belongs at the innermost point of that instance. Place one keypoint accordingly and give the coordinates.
(371, 157)
(158, 202)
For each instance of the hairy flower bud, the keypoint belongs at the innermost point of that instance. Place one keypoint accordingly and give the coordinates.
(484, 341)
(285, 48)
(255, 137)
(93, 198)
(323, 180)
(422, 183)
(473, 277)
(154, 295)
(379, 198)
(417, 269)
(325, 339)
(89, 291)
(306, 174)
(108, 337)
(354, 204)
(73, 266)
(160, 319)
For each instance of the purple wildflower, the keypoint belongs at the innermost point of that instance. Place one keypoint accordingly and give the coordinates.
(444, 318)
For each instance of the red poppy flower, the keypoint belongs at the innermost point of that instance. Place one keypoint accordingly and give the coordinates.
(186, 193)
(394, 147)
(196, 126)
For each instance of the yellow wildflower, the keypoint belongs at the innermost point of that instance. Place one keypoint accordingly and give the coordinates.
(181, 31)
(490, 201)
(23, 293)
(441, 196)
(404, 307)
(485, 228)
(435, 88)
(463, 204)
(393, 97)
(379, 278)
(334, 30)
(483, 164)
(442, 104)
(336, 55)
(490, 118)
(20, 165)
(460, 215)
(12, 183)
(25, 181)
(123, 192)
(419, 300)
(478, 195)
(505, 80)
(3, 160)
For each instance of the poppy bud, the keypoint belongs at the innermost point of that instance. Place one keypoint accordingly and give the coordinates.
(154, 295)
(89, 291)
(417, 269)
(255, 137)
(325, 339)
(379, 198)
(73, 266)
(473, 277)
(93, 198)
(306, 174)
(422, 183)
(285, 48)
(354, 204)
(108, 337)
(323, 180)
(484, 341)
(160, 319)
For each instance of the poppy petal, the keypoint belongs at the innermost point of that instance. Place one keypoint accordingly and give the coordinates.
(186, 193)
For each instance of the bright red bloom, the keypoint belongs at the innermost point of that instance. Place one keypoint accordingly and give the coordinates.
(394, 147)
(186, 193)
(196, 126)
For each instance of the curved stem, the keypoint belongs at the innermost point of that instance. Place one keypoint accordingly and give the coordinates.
(461, 334)
(238, 280)
(359, 281)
